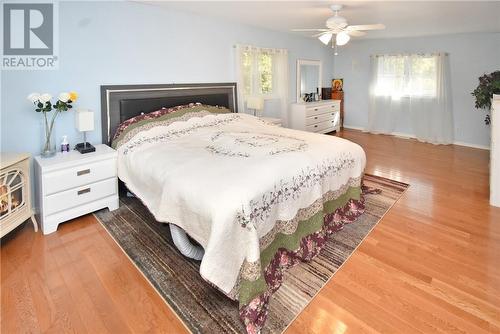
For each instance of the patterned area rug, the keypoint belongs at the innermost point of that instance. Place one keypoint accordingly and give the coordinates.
(204, 309)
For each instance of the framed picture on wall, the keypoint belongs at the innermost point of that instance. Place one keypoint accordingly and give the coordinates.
(337, 85)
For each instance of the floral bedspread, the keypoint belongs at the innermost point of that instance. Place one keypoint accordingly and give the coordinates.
(257, 197)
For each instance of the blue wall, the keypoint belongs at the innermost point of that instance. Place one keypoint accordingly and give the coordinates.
(132, 43)
(470, 55)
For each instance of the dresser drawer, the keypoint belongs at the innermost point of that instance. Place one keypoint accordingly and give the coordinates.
(77, 196)
(64, 179)
(320, 118)
(318, 127)
(312, 111)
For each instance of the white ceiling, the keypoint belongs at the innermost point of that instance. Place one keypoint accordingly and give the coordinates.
(402, 18)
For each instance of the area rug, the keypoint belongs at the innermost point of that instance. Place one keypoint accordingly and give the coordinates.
(202, 308)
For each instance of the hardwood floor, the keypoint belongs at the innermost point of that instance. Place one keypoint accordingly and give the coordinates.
(432, 265)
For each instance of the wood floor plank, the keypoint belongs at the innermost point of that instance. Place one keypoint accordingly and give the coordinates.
(403, 291)
(432, 265)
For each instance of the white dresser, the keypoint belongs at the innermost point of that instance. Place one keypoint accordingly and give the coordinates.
(73, 184)
(321, 116)
(495, 152)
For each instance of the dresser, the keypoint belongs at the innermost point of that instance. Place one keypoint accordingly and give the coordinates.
(321, 116)
(339, 95)
(72, 184)
(495, 151)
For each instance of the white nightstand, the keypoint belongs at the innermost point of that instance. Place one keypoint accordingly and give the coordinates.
(73, 184)
(275, 121)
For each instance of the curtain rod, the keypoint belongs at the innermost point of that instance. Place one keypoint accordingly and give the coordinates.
(253, 47)
(410, 54)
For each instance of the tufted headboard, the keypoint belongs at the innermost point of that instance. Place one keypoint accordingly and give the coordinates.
(121, 102)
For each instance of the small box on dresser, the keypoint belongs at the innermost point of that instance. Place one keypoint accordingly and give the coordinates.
(321, 116)
(74, 184)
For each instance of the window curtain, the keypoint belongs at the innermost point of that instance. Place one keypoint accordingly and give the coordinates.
(414, 87)
(249, 82)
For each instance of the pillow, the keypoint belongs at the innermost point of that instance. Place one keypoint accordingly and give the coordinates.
(163, 115)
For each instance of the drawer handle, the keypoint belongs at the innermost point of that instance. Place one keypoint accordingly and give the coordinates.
(83, 191)
(316, 117)
(83, 172)
(315, 126)
(315, 109)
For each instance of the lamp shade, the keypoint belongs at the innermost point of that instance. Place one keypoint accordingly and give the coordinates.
(255, 102)
(342, 38)
(84, 120)
(325, 39)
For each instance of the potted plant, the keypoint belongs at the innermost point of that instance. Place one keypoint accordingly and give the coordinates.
(44, 105)
(489, 84)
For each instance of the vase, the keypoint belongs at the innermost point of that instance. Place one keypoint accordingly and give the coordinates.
(48, 140)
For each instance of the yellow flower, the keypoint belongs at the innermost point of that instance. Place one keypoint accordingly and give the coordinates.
(73, 96)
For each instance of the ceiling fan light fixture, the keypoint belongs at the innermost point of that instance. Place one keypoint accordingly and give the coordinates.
(342, 38)
(336, 22)
(325, 38)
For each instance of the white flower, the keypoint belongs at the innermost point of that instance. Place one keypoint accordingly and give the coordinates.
(44, 98)
(64, 97)
(34, 97)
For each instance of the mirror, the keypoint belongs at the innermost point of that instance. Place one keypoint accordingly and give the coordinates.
(308, 79)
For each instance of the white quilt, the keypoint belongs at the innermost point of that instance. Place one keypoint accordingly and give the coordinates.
(227, 178)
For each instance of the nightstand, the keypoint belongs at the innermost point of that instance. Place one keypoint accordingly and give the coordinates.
(72, 184)
(275, 121)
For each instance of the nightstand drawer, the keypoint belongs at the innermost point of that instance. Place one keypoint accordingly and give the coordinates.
(77, 196)
(77, 176)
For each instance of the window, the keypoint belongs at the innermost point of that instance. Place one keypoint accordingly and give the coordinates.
(262, 73)
(406, 75)
(257, 73)
(266, 73)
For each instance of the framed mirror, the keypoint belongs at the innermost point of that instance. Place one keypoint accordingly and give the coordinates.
(308, 78)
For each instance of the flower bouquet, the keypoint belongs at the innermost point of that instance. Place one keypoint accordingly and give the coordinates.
(44, 105)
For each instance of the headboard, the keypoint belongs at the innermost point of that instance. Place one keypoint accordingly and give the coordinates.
(121, 102)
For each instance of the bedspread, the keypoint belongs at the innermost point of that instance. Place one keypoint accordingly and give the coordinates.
(249, 192)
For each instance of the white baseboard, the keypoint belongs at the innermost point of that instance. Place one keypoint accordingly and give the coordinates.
(352, 127)
(461, 143)
(410, 136)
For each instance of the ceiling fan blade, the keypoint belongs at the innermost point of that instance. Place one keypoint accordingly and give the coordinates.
(366, 27)
(310, 29)
(324, 33)
(356, 33)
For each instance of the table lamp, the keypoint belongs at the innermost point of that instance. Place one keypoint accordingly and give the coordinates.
(256, 104)
(84, 122)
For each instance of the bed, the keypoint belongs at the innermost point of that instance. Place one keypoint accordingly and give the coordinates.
(258, 198)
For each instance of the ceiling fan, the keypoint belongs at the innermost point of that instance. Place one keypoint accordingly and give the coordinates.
(337, 25)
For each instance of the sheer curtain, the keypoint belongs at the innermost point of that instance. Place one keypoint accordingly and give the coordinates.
(414, 87)
(263, 72)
